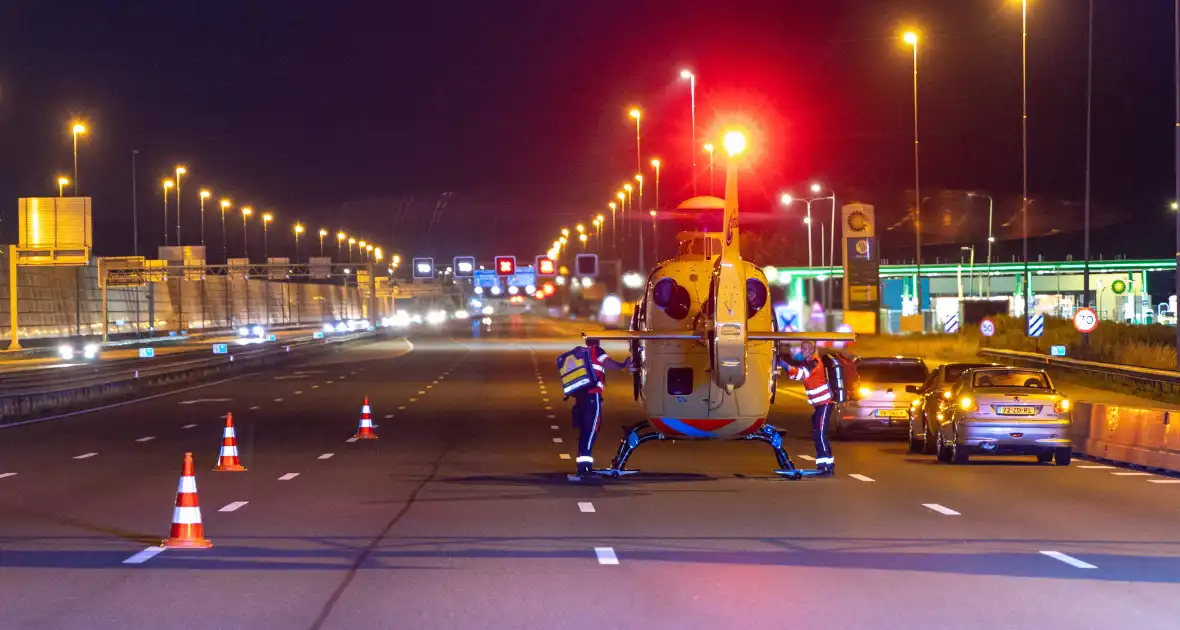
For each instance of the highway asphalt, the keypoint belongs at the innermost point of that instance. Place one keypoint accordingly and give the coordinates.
(460, 514)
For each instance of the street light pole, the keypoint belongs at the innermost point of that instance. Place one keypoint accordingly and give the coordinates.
(246, 212)
(709, 148)
(205, 194)
(61, 186)
(323, 233)
(1024, 154)
(692, 94)
(179, 171)
(991, 237)
(78, 128)
(638, 154)
(167, 185)
(911, 38)
(135, 224)
(1089, 128)
(1176, 148)
(298, 231)
(225, 203)
(266, 219)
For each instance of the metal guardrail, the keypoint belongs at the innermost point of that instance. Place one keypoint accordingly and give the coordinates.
(1162, 381)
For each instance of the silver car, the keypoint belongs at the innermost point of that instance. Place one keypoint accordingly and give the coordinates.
(879, 401)
(1005, 411)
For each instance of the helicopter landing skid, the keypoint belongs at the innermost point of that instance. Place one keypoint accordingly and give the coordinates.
(637, 435)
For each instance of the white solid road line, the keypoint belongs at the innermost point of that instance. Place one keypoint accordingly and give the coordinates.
(1096, 467)
(941, 509)
(1070, 560)
(562, 456)
(807, 457)
(1131, 474)
(288, 476)
(203, 400)
(326, 456)
(3, 475)
(145, 555)
(606, 555)
(557, 440)
(233, 507)
(189, 426)
(351, 440)
(585, 506)
(1163, 481)
(85, 455)
(862, 478)
(146, 438)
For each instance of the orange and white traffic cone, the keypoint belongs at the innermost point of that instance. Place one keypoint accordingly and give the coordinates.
(187, 531)
(227, 460)
(365, 430)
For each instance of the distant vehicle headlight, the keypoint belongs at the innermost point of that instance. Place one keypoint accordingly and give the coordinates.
(436, 317)
(487, 310)
(66, 353)
(258, 331)
(612, 306)
(329, 328)
(461, 314)
(90, 350)
(243, 332)
(487, 321)
(341, 327)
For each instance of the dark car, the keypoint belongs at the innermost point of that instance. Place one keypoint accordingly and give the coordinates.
(932, 394)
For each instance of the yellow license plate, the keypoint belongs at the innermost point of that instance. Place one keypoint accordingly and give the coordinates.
(1017, 411)
(892, 413)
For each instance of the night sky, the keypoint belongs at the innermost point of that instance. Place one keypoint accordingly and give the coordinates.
(360, 116)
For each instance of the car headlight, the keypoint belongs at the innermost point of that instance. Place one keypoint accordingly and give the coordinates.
(341, 327)
(258, 331)
(65, 352)
(487, 310)
(461, 314)
(243, 332)
(90, 351)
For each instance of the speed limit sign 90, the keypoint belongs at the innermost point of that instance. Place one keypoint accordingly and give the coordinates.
(1085, 320)
(987, 327)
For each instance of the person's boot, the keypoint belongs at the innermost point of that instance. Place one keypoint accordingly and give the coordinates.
(826, 470)
(584, 469)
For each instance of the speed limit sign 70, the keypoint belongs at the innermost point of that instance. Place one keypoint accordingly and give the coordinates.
(1085, 320)
(987, 327)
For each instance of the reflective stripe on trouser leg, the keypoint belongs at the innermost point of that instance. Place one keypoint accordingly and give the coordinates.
(819, 432)
(590, 409)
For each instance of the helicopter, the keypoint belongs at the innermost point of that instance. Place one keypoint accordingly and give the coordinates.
(704, 342)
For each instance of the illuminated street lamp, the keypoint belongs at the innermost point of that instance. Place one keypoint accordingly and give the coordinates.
(298, 231)
(614, 226)
(581, 228)
(323, 233)
(62, 182)
(168, 184)
(351, 242)
(78, 129)
(582, 237)
(225, 204)
(266, 219)
(709, 150)
(360, 248)
(565, 231)
(656, 165)
(246, 212)
(179, 171)
(692, 91)
(639, 178)
(340, 236)
(638, 159)
(911, 38)
(369, 252)
(377, 254)
(205, 194)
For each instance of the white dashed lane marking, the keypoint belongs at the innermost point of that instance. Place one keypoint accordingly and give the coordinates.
(606, 555)
(806, 457)
(315, 386)
(1096, 467)
(144, 556)
(388, 416)
(553, 426)
(278, 400)
(326, 456)
(420, 392)
(3, 475)
(255, 408)
(562, 456)
(401, 408)
(298, 392)
(351, 440)
(188, 426)
(557, 440)
(85, 455)
(413, 400)
(1070, 560)
(288, 476)
(1163, 481)
(862, 478)
(585, 506)
(941, 509)
(146, 438)
(1131, 474)
(233, 507)
(551, 416)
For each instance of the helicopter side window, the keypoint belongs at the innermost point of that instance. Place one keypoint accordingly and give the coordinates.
(679, 381)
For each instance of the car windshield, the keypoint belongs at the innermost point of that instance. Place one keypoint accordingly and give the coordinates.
(1031, 379)
(955, 370)
(891, 371)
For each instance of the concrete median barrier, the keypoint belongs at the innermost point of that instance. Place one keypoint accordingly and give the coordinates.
(1142, 437)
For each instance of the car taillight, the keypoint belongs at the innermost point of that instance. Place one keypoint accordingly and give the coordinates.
(1061, 406)
(864, 392)
(967, 404)
(946, 394)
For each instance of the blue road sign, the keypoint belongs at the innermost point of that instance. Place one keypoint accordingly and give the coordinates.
(220, 348)
(524, 277)
(486, 278)
(1036, 325)
(147, 353)
(951, 325)
(1057, 351)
